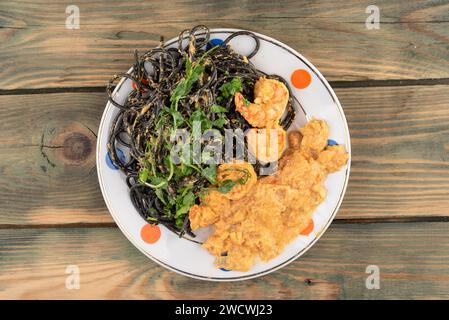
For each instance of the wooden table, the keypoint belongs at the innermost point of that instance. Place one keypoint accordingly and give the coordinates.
(392, 82)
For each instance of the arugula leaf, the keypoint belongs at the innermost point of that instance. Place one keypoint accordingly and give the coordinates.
(179, 91)
(182, 211)
(219, 123)
(186, 170)
(226, 186)
(210, 173)
(228, 89)
(200, 116)
(178, 119)
(143, 175)
(188, 66)
(206, 123)
(246, 102)
(182, 171)
(188, 199)
(151, 181)
(157, 180)
(193, 73)
(179, 222)
(184, 203)
(215, 108)
(160, 195)
(196, 115)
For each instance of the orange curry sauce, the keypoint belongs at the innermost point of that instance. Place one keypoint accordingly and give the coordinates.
(257, 220)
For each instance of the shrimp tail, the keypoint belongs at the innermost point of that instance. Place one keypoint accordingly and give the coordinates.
(249, 111)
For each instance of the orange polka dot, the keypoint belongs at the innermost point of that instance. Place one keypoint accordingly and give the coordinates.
(307, 230)
(301, 78)
(150, 233)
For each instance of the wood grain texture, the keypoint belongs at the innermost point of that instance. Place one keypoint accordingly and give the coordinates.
(335, 268)
(400, 151)
(400, 156)
(48, 172)
(52, 214)
(38, 51)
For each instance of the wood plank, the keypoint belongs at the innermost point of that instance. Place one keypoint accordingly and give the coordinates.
(400, 160)
(48, 172)
(39, 52)
(400, 152)
(412, 258)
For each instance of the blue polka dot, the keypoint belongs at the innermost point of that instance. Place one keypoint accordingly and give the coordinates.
(213, 42)
(331, 142)
(223, 269)
(111, 164)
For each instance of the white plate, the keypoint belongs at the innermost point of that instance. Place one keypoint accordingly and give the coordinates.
(317, 99)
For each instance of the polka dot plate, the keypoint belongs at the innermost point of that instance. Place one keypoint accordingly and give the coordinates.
(314, 99)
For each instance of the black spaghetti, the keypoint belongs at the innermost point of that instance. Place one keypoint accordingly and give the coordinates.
(172, 87)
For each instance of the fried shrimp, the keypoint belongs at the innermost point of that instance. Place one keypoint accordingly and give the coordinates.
(267, 144)
(270, 100)
(268, 140)
(208, 212)
(314, 139)
(202, 216)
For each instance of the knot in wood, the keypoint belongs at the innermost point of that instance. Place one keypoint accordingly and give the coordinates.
(77, 147)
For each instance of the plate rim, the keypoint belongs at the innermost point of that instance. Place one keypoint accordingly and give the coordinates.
(99, 165)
